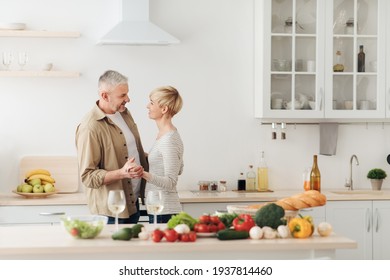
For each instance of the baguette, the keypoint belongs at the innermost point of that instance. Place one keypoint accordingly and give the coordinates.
(306, 199)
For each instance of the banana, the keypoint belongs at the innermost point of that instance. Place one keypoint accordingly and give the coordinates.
(43, 177)
(37, 171)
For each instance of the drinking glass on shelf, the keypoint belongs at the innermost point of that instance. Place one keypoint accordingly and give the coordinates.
(22, 59)
(116, 203)
(154, 204)
(7, 59)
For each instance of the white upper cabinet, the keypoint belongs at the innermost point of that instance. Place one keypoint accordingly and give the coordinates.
(296, 76)
(358, 91)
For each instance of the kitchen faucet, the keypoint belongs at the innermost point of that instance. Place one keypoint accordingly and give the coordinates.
(349, 183)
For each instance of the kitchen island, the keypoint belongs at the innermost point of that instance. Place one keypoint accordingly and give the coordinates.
(54, 243)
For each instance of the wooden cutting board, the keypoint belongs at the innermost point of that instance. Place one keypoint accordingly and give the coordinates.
(64, 170)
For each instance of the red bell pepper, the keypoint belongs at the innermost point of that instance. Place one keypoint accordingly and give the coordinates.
(244, 222)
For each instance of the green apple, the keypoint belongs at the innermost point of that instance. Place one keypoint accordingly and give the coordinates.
(19, 188)
(49, 187)
(35, 181)
(27, 188)
(38, 188)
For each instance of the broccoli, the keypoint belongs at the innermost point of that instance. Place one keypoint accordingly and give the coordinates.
(271, 215)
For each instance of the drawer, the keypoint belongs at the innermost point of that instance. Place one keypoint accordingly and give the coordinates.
(42, 214)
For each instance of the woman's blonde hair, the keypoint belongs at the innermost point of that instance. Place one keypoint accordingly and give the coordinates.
(167, 96)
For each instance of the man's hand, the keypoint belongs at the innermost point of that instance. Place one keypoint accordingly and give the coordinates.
(132, 169)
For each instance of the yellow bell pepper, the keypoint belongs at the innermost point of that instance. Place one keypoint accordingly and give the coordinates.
(310, 220)
(300, 228)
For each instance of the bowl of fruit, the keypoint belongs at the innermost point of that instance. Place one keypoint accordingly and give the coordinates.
(84, 227)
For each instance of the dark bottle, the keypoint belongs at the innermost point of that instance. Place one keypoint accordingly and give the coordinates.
(361, 60)
(315, 176)
(241, 184)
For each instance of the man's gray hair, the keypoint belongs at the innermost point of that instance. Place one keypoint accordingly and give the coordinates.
(111, 79)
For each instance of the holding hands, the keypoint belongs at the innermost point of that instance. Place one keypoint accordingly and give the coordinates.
(132, 170)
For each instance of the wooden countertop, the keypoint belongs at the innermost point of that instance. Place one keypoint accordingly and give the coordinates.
(53, 242)
(11, 199)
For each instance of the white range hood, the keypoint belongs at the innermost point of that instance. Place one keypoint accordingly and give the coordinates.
(135, 27)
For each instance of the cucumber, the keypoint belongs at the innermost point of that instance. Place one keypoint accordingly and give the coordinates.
(123, 234)
(231, 234)
(136, 229)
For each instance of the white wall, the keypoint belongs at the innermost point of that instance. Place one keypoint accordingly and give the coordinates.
(212, 68)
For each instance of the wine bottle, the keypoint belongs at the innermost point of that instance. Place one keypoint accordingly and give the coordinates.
(361, 60)
(262, 175)
(315, 176)
(250, 182)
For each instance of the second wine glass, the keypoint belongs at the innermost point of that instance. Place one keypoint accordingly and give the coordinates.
(116, 203)
(154, 204)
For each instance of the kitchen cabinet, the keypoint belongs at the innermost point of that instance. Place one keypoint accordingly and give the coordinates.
(296, 42)
(39, 214)
(367, 222)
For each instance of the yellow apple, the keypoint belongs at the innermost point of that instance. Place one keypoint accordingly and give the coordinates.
(49, 187)
(27, 188)
(38, 188)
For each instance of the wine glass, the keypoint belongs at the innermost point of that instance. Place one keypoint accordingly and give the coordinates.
(116, 203)
(7, 59)
(22, 59)
(154, 204)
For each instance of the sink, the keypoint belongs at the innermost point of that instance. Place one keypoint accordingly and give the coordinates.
(354, 192)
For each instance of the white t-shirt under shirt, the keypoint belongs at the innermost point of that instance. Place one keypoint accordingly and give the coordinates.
(131, 147)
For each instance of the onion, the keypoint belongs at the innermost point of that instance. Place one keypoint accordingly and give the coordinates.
(324, 229)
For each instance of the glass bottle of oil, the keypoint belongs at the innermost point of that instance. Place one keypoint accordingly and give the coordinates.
(250, 182)
(338, 67)
(262, 175)
(315, 176)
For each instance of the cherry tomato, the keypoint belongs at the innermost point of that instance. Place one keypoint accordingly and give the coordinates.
(157, 235)
(192, 236)
(204, 219)
(213, 228)
(202, 228)
(74, 232)
(214, 219)
(221, 226)
(184, 237)
(171, 235)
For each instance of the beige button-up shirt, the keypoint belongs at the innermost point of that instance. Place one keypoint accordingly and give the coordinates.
(101, 147)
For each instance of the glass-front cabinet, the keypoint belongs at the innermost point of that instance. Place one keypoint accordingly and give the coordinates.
(355, 71)
(320, 59)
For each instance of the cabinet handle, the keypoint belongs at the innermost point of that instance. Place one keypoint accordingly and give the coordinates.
(377, 220)
(368, 220)
(52, 214)
(321, 97)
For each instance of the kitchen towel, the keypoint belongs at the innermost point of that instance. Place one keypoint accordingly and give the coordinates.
(328, 138)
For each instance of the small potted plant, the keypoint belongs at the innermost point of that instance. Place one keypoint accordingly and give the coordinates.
(376, 176)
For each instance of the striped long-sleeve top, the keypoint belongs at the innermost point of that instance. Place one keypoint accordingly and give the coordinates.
(165, 166)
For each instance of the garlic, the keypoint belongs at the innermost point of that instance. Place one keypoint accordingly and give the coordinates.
(143, 235)
(256, 232)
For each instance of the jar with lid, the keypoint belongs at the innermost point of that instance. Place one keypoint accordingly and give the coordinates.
(222, 186)
(349, 26)
(213, 186)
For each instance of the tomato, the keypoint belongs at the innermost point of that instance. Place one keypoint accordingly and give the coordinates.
(196, 226)
(204, 219)
(213, 228)
(184, 237)
(221, 226)
(214, 219)
(192, 236)
(171, 235)
(202, 228)
(74, 232)
(157, 235)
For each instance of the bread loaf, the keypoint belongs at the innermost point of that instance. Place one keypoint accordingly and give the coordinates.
(306, 199)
